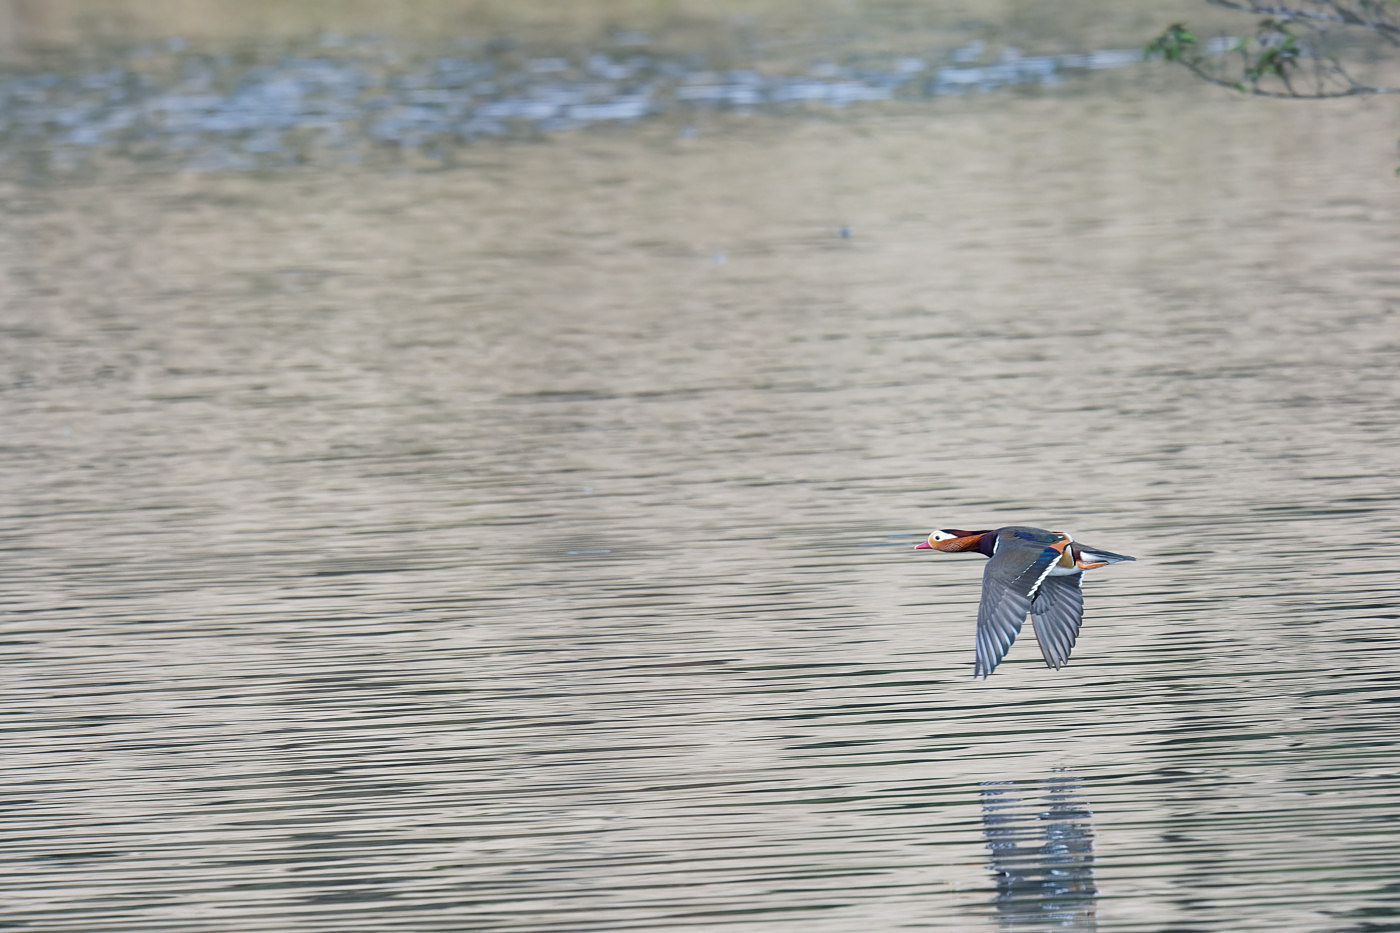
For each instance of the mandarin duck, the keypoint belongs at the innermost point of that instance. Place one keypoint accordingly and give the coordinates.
(1029, 571)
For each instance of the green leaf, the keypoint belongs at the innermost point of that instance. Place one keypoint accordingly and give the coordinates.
(1174, 44)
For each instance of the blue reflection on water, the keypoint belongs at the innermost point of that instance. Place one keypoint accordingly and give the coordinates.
(1041, 837)
(341, 98)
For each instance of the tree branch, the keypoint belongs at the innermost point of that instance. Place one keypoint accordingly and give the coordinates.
(1340, 15)
(1278, 51)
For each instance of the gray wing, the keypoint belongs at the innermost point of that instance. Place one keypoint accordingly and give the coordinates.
(1014, 574)
(999, 620)
(1056, 613)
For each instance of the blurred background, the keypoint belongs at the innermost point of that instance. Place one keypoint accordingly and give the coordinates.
(461, 464)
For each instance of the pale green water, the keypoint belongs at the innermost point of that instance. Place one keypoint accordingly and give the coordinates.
(527, 545)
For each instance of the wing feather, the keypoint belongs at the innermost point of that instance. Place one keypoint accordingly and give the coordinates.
(1056, 614)
(999, 619)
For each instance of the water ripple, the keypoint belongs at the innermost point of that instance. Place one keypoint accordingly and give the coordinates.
(471, 551)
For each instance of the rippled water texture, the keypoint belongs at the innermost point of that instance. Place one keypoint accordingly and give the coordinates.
(527, 546)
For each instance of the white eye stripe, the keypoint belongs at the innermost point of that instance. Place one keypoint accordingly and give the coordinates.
(941, 536)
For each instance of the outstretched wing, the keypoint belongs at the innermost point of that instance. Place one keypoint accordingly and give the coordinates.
(1056, 613)
(999, 619)
(1014, 575)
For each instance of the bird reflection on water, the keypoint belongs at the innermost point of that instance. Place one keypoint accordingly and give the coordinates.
(1041, 838)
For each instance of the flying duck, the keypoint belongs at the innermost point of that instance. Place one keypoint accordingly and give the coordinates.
(1030, 571)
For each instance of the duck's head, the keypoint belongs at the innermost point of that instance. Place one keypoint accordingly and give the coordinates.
(953, 539)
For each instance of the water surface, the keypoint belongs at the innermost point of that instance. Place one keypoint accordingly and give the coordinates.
(527, 545)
